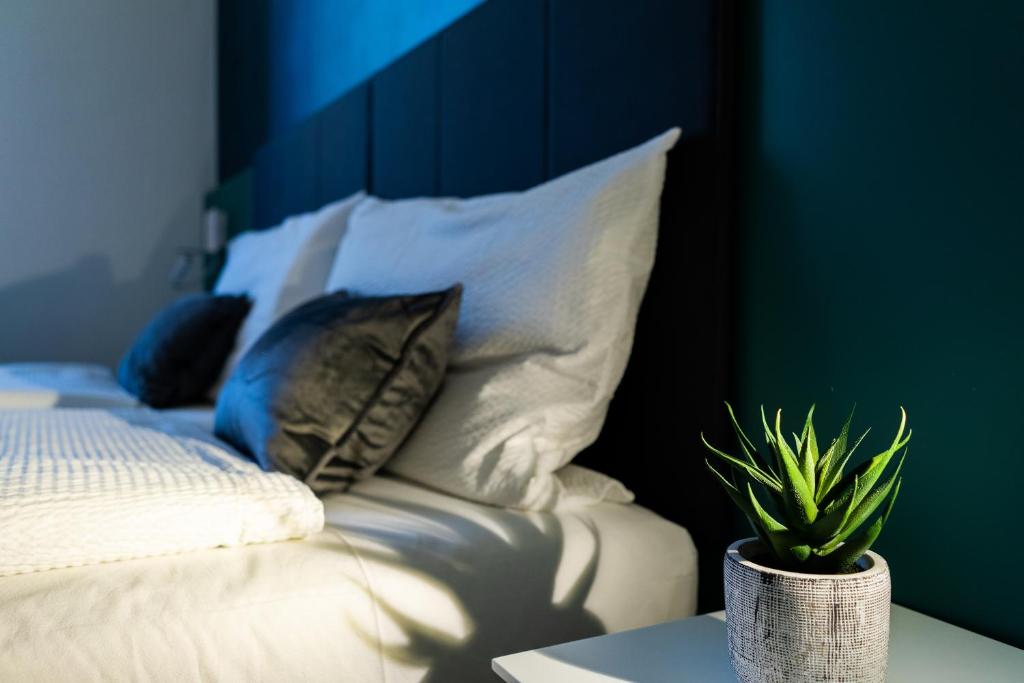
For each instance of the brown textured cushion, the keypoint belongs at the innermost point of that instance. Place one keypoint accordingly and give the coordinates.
(333, 388)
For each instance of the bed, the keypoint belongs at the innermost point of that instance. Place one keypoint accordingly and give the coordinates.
(546, 86)
(404, 582)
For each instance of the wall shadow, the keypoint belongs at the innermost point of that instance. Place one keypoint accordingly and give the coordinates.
(83, 312)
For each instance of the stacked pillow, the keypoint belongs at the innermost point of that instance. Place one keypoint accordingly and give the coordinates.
(553, 281)
(281, 268)
(190, 348)
(553, 277)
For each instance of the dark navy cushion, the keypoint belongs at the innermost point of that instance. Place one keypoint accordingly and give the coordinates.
(180, 354)
(334, 387)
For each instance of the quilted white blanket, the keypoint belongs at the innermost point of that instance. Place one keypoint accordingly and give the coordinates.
(80, 487)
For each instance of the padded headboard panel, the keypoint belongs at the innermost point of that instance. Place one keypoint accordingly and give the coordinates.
(519, 91)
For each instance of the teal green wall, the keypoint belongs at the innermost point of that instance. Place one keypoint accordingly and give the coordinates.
(882, 239)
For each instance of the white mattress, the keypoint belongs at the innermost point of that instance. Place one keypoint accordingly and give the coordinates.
(404, 584)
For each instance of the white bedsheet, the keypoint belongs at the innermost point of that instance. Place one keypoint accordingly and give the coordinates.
(67, 385)
(201, 416)
(404, 584)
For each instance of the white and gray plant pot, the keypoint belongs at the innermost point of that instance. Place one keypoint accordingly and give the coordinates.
(788, 626)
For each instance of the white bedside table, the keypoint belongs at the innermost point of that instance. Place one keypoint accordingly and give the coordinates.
(920, 649)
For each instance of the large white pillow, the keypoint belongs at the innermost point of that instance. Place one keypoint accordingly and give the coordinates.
(281, 268)
(553, 281)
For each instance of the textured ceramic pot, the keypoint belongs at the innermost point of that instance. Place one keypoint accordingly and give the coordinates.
(787, 626)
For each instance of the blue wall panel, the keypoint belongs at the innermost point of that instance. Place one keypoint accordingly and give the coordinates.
(283, 60)
(322, 48)
(284, 175)
(404, 127)
(516, 92)
(344, 146)
(497, 49)
(668, 41)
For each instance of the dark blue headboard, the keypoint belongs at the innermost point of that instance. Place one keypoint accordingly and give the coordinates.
(519, 91)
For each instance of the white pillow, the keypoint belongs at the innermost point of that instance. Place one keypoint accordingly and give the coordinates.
(583, 487)
(553, 280)
(281, 268)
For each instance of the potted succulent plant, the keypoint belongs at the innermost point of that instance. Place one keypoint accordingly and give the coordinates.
(806, 600)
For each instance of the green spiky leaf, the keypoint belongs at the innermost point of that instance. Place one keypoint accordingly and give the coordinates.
(832, 522)
(742, 502)
(870, 471)
(738, 498)
(864, 506)
(752, 471)
(746, 444)
(799, 500)
(834, 453)
(846, 556)
(834, 473)
(800, 552)
(781, 540)
(768, 436)
(808, 437)
(806, 465)
(826, 511)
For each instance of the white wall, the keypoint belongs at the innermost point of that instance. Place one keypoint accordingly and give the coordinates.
(107, 143)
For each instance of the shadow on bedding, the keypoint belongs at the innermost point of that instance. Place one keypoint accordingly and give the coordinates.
(508, 603)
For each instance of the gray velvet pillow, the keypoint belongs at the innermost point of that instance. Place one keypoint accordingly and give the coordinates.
(334, 387)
